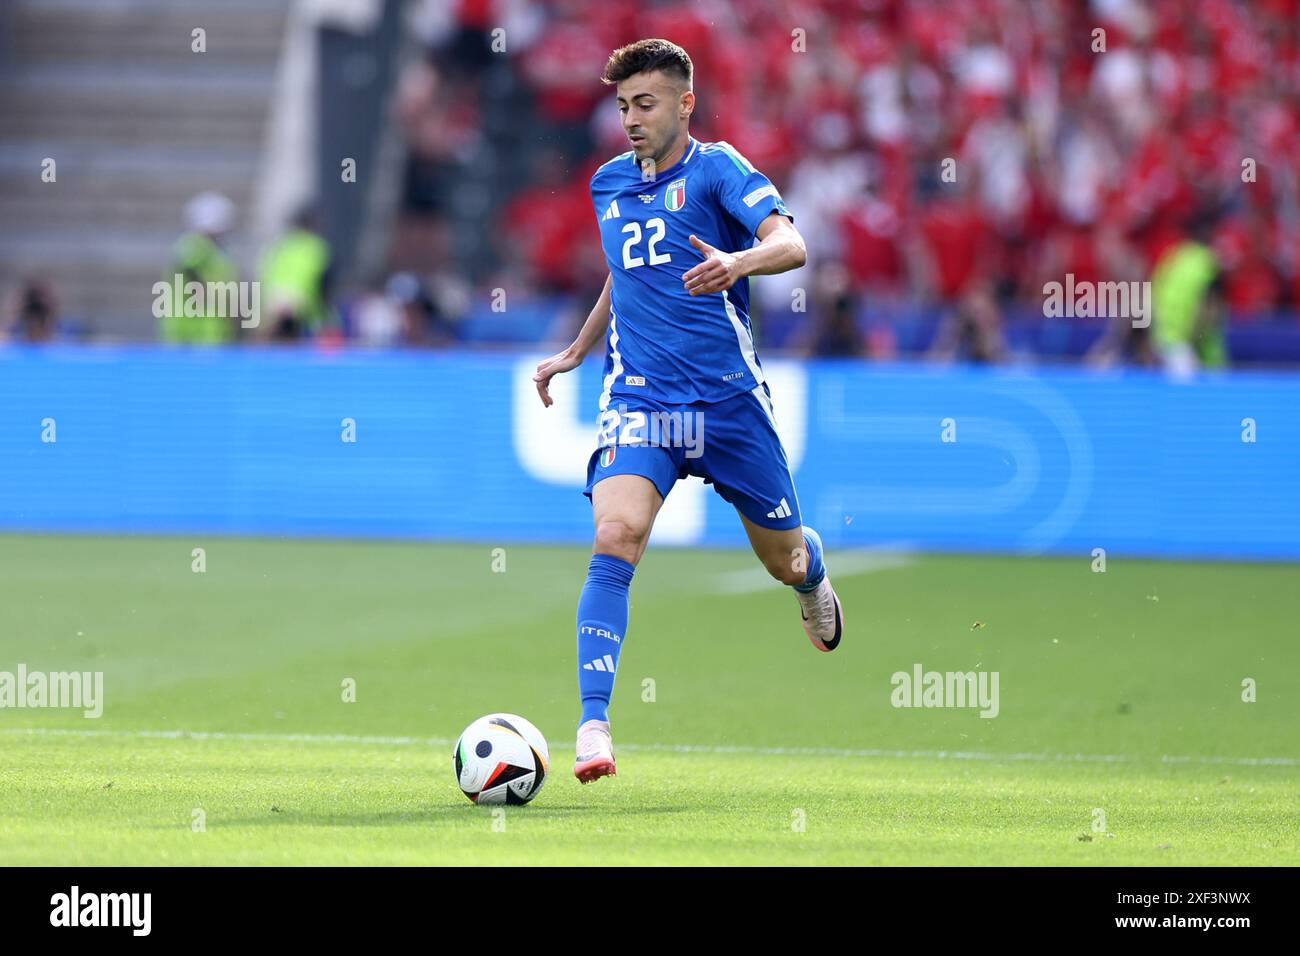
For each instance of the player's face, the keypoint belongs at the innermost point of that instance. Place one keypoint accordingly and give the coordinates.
(652, 109)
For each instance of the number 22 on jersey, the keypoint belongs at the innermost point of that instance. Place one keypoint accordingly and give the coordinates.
(655, 230)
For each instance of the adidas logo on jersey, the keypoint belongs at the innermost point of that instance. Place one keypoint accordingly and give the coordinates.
(611, 212)
(604, 664)
(782, 510)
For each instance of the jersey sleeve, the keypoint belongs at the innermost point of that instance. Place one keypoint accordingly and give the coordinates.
(745, 193)
(591, 191)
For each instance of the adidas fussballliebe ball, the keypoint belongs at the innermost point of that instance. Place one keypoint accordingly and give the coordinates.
(501, 758)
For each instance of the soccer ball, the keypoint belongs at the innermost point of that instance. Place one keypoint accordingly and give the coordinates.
(501, 758)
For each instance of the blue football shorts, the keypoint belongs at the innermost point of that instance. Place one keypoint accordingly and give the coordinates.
(733, 445)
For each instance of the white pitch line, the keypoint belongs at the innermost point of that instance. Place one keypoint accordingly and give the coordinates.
(842, 564)
(672, 748)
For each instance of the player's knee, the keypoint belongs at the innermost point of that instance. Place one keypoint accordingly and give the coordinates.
(620, 538)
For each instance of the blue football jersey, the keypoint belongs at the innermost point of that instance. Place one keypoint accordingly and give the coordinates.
(664, 343)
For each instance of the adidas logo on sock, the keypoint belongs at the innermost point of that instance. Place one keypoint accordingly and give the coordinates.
(605, 663)
(782, 510)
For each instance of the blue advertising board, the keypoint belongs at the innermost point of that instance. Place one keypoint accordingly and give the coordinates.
(456, 445)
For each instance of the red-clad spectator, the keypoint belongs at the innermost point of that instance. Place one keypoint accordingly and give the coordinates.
(563, 66)
(542, 226)
(1252, 283)
(955, 240)
(873, 231)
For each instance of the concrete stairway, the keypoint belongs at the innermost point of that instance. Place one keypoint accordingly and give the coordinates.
(137, 123)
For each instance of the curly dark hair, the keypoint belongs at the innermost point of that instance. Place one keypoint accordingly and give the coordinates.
(645, 56)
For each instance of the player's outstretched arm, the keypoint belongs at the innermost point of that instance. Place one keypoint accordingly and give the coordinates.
(593, 330)
(780, 248)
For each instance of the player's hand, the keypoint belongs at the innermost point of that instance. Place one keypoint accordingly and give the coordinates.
(718, 272)
(553, 366)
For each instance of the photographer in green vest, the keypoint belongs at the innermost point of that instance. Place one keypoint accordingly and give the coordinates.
(295, 281)
(199, 256)
(1188, 303)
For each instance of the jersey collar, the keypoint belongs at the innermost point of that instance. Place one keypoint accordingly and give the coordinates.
(691, 145)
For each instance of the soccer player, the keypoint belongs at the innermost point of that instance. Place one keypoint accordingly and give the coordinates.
(678, 221)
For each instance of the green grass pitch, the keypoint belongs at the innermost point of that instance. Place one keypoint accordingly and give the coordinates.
(1122, 736)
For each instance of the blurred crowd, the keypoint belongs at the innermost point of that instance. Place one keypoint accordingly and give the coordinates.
(960, 153)
(945, 155)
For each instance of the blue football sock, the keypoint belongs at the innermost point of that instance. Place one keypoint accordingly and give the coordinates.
(816, 568)
(602, 627)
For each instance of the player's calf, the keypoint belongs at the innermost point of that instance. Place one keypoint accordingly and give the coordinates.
(794, 557)
(782, 551)
(819, 605)
(790, 569)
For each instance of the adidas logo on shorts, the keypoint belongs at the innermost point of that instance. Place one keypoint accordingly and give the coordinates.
(782, 510)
